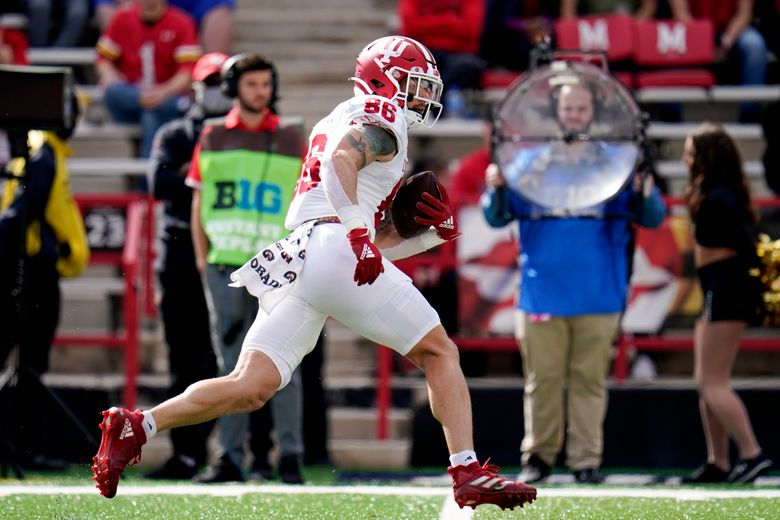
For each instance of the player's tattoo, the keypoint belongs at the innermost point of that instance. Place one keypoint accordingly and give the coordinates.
(371, 141)
(360, 145)
(379, 138)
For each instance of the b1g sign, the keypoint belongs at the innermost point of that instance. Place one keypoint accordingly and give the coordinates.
(264, 197)
(245, 195)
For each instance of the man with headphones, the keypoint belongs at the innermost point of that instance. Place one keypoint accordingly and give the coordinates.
(243, 173)
(568, 310)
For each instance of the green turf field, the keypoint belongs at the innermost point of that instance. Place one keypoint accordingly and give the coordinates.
(69, 496)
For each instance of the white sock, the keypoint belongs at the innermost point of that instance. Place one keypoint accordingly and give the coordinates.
(150, 427)
(464, 458)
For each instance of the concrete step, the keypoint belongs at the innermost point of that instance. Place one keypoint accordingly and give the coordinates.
(361, 423)
(370, 454)
(346, 353)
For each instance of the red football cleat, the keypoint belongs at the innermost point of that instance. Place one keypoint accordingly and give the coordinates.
(475, 485)
(120, 446)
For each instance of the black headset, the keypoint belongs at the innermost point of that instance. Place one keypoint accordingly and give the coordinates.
(236, 65)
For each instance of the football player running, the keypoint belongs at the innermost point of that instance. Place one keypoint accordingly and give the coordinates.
(336, 262)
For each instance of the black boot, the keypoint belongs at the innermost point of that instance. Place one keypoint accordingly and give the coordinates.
(225, 471)
(290, 470)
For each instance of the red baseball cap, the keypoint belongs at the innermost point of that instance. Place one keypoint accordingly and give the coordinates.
(207, 65)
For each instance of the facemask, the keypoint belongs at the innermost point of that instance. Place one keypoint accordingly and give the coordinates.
(213, 101)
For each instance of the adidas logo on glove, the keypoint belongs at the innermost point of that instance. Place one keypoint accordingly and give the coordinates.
(366, 253)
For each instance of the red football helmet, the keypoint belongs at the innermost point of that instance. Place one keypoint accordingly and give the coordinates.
(404, 71)
(207, 65)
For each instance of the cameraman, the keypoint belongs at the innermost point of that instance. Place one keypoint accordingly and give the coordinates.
(42, 228)
(571, 308)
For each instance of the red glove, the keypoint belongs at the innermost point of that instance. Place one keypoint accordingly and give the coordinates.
(439, 215)
(369, 259)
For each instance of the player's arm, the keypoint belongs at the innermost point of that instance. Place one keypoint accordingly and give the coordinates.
(359, 147)
(395, 247)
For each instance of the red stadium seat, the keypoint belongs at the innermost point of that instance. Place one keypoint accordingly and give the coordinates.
(673, 45)
(613, 34)
(626, 78)
(498, 78)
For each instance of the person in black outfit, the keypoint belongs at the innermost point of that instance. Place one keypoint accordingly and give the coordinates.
(42, 238)
(185, 314)
(724, 251)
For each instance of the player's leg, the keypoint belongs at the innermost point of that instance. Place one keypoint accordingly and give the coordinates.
(252, 383)
(450, 403)
(392, 312)
(272, 350)
(448, 395)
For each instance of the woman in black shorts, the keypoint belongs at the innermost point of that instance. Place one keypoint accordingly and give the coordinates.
(724, 251)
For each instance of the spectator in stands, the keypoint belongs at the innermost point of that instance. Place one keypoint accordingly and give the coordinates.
(770, 123)
(468, 179)
(766, 18)
(724, 251)
(250, 150)
(736, 40)
(570, 320)
(451, 29)
(214, 19)
(185, 314)
(13, 37)
(40, 225)
(511, 29)
(641, 9)
(71, 27)
(145, 60)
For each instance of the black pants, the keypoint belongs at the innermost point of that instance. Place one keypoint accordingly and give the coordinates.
(185, 320)
(31, 322)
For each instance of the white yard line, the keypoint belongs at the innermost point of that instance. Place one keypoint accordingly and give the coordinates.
(243, 489)
(452, 511)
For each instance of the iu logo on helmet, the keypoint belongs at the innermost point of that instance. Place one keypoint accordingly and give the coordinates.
(394, 48)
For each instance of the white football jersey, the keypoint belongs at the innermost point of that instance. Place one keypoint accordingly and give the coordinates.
(376, 182)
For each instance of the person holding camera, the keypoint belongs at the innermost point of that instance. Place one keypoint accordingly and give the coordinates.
(42, 239)
(574, 281)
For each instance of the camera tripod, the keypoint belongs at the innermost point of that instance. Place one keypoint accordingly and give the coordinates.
(29, 301)
(10, 457)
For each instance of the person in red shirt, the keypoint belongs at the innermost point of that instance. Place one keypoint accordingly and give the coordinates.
(451, 29)
(736, 40)
(13, 39)
(145, 60)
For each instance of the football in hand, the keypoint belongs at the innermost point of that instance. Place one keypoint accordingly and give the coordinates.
(404, 206)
